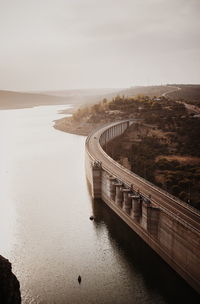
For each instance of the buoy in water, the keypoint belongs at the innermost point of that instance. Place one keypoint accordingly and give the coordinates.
(79, 279)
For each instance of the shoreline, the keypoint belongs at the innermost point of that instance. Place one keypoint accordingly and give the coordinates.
(66, 124)
(21, 107)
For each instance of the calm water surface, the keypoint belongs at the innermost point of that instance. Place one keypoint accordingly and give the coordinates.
(45, 229)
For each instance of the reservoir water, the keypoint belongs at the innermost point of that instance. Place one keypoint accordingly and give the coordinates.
(45, 229)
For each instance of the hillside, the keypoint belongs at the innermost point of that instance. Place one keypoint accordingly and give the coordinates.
(162, 147)
(187, 93)
(14, 100)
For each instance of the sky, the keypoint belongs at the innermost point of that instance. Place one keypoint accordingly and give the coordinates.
(71, 44)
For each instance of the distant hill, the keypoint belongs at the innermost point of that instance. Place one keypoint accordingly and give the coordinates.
(188, 93)
(150, 91)
(82, 92)
(14, 100)
(92, 96)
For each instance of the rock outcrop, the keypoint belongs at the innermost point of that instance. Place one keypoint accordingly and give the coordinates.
(9, 285)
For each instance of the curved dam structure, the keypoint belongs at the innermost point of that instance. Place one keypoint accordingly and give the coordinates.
(168, 225)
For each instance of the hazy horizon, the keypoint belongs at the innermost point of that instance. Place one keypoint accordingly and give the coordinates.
(82, 44)
(43, 91)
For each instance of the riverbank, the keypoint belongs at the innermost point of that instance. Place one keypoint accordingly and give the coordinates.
(67, 124)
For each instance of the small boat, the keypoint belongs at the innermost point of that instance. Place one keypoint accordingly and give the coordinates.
(79, 279)
(91, 217)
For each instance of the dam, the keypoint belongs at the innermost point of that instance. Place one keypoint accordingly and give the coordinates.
(168, 225)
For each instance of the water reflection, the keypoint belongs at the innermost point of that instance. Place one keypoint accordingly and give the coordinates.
(154, 273)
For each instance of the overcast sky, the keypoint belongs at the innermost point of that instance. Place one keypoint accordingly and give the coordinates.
(63, 44)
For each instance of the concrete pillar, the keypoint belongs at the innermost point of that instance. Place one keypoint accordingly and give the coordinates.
(96, 176)
(112, 132)
(154, 220)
(112, 187)
(136, 207)
(118, 195)
(126, 205)
(145, 215)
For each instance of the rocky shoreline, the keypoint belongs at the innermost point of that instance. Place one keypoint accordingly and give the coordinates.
(9, 285)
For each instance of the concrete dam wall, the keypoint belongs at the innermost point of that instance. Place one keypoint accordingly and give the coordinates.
(166, 224)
